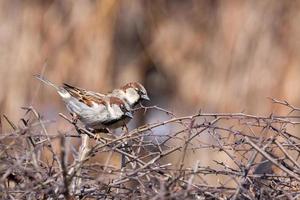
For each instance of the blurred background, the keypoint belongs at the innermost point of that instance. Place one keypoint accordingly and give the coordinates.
(217, 56)
(211, 55)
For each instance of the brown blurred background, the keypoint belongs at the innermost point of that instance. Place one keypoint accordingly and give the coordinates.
(218, 56)
(214, 55)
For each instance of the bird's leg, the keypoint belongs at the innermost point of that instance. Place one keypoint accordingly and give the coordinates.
(74, 122)
(74, 118)
(125, 129)
(100, 130)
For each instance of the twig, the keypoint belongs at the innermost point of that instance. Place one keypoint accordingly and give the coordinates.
(263, 153)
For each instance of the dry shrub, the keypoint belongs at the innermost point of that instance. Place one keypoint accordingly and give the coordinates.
(260, 159)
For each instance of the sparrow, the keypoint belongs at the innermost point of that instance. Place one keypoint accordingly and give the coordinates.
(132, 93)
(94, 110)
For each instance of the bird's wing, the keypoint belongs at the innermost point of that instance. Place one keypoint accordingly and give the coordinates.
(87, 97)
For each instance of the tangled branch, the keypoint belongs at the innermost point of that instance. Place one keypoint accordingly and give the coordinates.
(204, 156)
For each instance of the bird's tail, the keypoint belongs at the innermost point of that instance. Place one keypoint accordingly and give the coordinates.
(61, 91)
(46, 81)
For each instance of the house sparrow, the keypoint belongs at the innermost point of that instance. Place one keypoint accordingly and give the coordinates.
(94, 110)
(132, 93)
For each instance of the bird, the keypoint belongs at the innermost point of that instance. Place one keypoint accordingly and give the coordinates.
(96, 111)
(132, 93)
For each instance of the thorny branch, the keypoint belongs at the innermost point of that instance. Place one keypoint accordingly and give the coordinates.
(204, 156)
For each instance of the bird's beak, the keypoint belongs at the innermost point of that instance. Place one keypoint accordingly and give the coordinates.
(145, 97)
(129, 114)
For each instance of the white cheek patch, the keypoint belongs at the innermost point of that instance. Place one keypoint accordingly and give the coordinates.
(132, 96)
